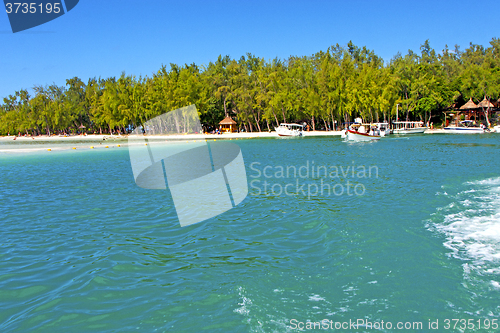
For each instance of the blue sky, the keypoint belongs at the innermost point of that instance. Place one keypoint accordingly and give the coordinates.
(103, 38)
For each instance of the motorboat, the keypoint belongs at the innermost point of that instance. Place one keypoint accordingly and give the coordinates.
(289, 129)
(465, 126)
(357, 132)
(408, 127)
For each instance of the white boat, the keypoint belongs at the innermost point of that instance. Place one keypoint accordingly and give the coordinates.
(408, 127)
(465, 127)
(496, 129)
(357, 132)
(384, 128)
(289, 129)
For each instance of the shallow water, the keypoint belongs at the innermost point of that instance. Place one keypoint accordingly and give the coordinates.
(83, 248)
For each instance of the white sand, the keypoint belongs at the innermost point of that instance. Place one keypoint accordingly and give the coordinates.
(53, 143)
(12, 144)
(89, 138)
(56, 138)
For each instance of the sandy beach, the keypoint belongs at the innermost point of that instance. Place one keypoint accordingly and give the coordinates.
(103, 137)
(11, 144)
(24, 144)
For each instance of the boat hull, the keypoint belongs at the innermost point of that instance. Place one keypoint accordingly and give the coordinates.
(356, 136)
(463, 130)
(287, 132)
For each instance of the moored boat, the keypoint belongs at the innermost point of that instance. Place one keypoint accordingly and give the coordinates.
(384, 128)
(408, 127)
(289, 129)
(465, 127)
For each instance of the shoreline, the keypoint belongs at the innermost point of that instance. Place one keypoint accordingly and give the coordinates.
(107, 137)
(13, 144)
(27, 144)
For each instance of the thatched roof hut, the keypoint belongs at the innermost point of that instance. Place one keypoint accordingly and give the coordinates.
(227, 121)
(469, 105)
(228, 125)
(485, 104)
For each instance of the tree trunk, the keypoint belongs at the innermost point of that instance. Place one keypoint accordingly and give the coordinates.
(313, 123)
(257, 122)
(283, 111)
(407, 106)
(486, 116)
(225, 108)
(276, 118)
(47, 128)
(250, 125)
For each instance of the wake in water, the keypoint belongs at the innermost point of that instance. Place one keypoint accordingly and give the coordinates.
(471, 223)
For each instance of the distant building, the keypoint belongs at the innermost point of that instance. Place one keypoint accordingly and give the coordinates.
(472, 111)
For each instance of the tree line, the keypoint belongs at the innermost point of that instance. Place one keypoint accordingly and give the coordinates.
(330, 87)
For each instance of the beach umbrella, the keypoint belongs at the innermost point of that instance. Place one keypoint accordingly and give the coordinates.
(81, 126)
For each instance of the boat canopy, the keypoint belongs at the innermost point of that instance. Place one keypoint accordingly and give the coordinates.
(291, 125)
(467, 123)
(407, 124)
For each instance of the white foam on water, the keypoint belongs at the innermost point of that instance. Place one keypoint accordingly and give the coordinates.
(245, 303)
(472, 226)
(316, 298)
(258, 317)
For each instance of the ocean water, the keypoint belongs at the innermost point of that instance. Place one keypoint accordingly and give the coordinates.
(404, 230)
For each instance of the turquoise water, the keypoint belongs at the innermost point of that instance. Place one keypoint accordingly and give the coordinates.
(84, 249)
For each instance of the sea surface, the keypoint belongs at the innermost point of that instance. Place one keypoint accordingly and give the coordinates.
(405, 230)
